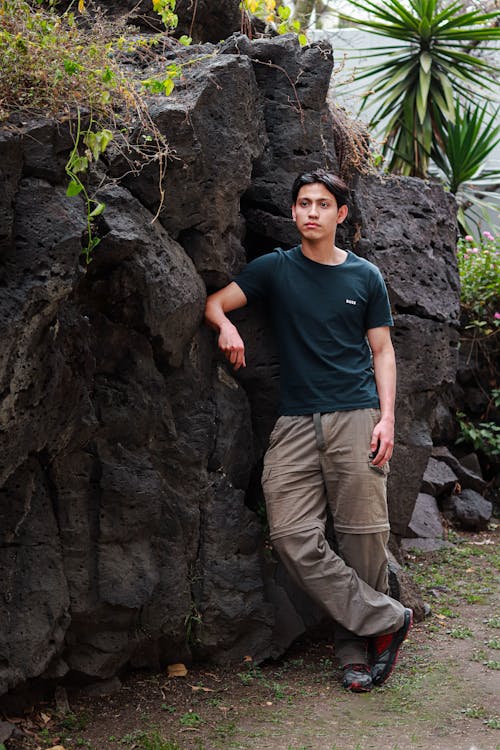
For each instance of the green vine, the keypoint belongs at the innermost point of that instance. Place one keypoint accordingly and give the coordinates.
(96, 142)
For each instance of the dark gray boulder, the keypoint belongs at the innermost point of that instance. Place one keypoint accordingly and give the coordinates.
(468, 477)
(438, 479)
(469, 509)
(417, 260)
(34, 606)
(426, 521)
(213, 124)
(206, 21)
(130, 452)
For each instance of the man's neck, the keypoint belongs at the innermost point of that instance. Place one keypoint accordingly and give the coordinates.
(324, 252)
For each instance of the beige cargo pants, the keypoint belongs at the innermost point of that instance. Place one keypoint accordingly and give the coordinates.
(322, 460)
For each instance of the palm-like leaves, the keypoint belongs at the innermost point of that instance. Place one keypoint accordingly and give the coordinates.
(423, 71)
(460, 151)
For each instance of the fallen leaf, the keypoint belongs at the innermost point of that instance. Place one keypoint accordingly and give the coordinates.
(57, 747)
(441, 617)
(45, 718)
(200, 687)
(247, 658)
(486, 541)
(269, 703)
(177, 670)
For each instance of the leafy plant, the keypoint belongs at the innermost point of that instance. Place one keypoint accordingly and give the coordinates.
(479, 269)
(54, 65)
(460, 150)
(191, 719)
(484, 436)
(430, 63)
(272, 13)
(96, 142)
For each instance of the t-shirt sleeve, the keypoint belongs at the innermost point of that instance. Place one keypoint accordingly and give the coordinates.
(378, 311)
(255, 279)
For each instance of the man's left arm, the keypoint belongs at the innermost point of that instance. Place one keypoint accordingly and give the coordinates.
(384, 365)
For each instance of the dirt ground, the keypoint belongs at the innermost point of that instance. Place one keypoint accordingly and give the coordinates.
(443, 695)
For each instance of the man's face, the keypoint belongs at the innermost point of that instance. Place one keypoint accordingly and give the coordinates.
(316, 213)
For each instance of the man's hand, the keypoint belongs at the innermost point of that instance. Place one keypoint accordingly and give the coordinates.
(231, 343)
(382, 442)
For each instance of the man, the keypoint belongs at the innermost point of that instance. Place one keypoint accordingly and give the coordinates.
(334, 438)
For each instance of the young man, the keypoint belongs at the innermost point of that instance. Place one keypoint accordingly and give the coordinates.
(334, 438)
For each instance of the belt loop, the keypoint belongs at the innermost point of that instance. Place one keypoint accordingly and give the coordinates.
(320, 438)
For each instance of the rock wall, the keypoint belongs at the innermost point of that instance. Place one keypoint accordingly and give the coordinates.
(129, 453)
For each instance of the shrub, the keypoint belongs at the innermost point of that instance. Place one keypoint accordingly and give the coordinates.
(479, 269)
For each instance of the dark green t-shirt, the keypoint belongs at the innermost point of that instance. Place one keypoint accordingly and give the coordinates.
(320, 316)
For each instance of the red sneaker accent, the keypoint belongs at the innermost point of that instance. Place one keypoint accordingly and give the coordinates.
(380, 643)
(384, 661)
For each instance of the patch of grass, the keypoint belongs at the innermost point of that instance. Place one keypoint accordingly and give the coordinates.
(279, 691)
(169, 709)
(475, 599)
(461, 633)
(474, 712)
(494, 643)
(479, 655)
(493, 723)
(251, 674)
(493, 622)
(226, 729)
(191, 719)
(149, 740)
(492, 664)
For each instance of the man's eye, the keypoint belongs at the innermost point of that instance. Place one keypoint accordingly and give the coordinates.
(324, 204)
(303, 203)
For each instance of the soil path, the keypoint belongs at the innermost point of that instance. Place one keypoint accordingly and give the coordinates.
(443, 695)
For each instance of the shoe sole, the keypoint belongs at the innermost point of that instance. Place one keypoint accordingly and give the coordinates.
(390, 667)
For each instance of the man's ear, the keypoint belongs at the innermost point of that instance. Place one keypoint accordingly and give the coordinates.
(294, 217)
(342, 214)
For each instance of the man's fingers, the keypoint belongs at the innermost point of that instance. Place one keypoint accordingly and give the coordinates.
(384, 454)
(236, 356)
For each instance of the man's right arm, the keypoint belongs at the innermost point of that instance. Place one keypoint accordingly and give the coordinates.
(218, 304)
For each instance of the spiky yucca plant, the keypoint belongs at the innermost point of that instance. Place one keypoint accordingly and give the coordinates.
(432, 61)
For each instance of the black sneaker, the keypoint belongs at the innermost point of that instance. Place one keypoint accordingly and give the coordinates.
(385, 650)
(357, 678)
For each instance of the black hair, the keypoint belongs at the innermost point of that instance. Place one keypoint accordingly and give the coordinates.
(333, 184)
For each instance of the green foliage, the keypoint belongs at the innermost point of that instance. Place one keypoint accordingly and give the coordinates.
(166, 11)
(164, 85)
(460, 150)
(59, 64)
(51, 64)
(430, 62)
(149, 740)
(465, 143)
(190, 719)
(96, 143)
(479, 269)
(484, 436)
(277, 15)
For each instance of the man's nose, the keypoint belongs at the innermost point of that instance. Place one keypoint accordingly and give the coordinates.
(313, 210)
